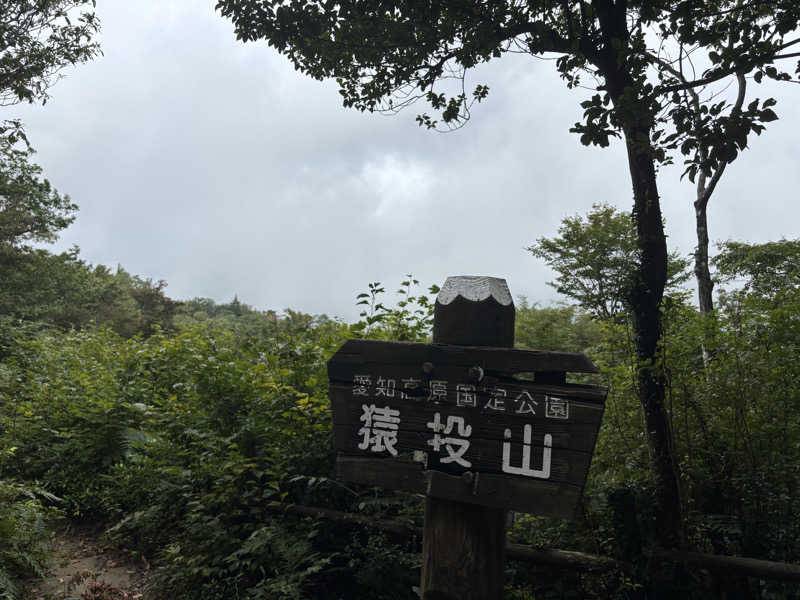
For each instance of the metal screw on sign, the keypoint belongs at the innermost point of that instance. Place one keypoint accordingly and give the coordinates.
(476, 374)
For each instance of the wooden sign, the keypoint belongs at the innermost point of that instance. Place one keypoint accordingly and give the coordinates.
(497, 427)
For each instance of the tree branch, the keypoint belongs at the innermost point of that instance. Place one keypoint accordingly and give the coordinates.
(705, 195)
(722, 74)
(793, 55)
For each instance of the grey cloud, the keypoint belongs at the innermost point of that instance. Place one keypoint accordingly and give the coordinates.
(213, 165)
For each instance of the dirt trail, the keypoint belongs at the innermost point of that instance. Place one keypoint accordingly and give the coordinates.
(83, 567)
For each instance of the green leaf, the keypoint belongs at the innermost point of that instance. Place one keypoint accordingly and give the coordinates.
(768, 115)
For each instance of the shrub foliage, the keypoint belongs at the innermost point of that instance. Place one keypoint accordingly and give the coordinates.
(186, 442)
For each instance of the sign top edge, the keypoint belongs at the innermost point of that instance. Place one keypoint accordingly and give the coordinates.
(574, 362)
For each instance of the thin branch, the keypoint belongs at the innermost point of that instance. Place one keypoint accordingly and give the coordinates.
(793, 55)
(722, 74)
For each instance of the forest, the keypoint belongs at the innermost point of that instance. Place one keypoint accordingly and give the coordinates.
(193, 434)
(180, 426)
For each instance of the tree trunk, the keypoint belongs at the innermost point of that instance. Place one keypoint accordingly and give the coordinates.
(704, 284)
(650, 277)
(646, 292)
(633, 112)
(705, 188)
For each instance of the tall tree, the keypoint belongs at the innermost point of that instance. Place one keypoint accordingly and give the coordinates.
(706, 168)
(595, 259)
(711, 131)
(386, 55)
(30, 209)
(38, 38)
(719, 132)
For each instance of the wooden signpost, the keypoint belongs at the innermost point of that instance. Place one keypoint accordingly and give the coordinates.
(474, 424)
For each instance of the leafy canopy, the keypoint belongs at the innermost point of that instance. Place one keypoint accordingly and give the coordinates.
(640, 57)
(38, 38)
(595, 258)
(30, 209)
(766, 269)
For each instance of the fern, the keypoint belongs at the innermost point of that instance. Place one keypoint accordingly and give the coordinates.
(22, 535)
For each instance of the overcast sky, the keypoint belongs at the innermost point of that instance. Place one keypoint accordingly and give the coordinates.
(215, 166)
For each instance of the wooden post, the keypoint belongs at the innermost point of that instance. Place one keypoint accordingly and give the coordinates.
(463, 544)
(454, 420)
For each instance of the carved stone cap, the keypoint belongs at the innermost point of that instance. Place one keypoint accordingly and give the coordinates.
(475, 289)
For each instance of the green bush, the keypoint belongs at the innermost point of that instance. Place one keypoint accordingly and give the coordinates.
(23, 535)
(186, 442)
(183, 442)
